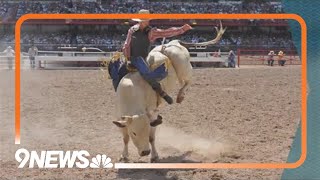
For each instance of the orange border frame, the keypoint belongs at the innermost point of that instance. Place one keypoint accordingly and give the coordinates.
(180, 16)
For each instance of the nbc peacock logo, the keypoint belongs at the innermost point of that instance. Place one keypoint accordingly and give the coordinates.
(61, 159)
(101, 161)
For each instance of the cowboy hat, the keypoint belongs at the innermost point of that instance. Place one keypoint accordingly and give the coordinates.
(142, 11)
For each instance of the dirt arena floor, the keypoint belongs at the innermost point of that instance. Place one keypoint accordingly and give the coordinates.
(240, 115)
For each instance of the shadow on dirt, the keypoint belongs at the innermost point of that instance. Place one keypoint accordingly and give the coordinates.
(156, 174)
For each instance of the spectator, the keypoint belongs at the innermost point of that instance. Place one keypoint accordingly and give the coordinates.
(270, 58)
(281, 61)
(9, 52)
(231, 59)
(33, 52)
(113, 6)
(113, 39)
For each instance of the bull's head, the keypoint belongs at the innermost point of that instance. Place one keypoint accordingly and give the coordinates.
(138, 128)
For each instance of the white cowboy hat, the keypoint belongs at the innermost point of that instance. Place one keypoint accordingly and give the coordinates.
(142, 11)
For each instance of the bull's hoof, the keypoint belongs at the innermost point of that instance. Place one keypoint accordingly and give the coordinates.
(180, 99)
(154, 159)
(124, 159)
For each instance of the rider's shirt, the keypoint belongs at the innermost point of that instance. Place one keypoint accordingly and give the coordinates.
(140, 44)
(33, 51)
(231, 55)
(149, 35)
(270, 56)
(9, 52)
(280, 55)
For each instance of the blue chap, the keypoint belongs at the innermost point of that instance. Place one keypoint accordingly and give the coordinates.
(117, 71)
(150, 76)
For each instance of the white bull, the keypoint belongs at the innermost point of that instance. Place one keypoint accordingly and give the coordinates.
(138, 102)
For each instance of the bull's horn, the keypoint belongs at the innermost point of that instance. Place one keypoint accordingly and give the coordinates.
(120, 124)
(211, 42)
(156, 122)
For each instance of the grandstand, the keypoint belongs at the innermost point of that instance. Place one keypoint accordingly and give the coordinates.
(108, 35)
(13, 9)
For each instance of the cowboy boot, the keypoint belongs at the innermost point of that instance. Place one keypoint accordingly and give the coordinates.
(142, 67)
(166, 97)
(156, 86)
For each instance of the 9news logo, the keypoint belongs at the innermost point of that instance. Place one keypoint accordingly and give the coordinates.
(59, 159)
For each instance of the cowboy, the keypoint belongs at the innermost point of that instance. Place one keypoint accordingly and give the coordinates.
(10, 56)
(33, 52)
(281, 60)
(231, 61)
(137, 47)
(270, 58)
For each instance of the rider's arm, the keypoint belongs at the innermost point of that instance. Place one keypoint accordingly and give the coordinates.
(161, 33)
(126, 46)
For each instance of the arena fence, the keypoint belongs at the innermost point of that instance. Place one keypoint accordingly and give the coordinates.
(93, 60)
(118, 46)
(260, 57)
(8, 62)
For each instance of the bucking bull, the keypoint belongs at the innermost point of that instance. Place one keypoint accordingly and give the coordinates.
(138, 103)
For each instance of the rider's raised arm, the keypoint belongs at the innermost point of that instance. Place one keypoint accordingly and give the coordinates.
(126, 46)
(156, 33)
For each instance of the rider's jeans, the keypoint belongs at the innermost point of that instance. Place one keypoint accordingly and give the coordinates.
(152, 77)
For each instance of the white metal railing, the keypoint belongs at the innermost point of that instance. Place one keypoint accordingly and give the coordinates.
(5, 62)
(52, 59)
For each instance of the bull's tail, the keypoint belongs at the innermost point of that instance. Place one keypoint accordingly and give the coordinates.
(220, 32)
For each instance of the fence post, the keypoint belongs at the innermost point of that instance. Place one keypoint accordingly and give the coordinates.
(238, 52)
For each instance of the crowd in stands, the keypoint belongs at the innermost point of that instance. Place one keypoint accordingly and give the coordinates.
(249, 39)
(113, 41)
(3, 8)
(121, 6)
(11, 10)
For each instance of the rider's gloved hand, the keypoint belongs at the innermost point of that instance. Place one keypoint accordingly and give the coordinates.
(186, 27)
